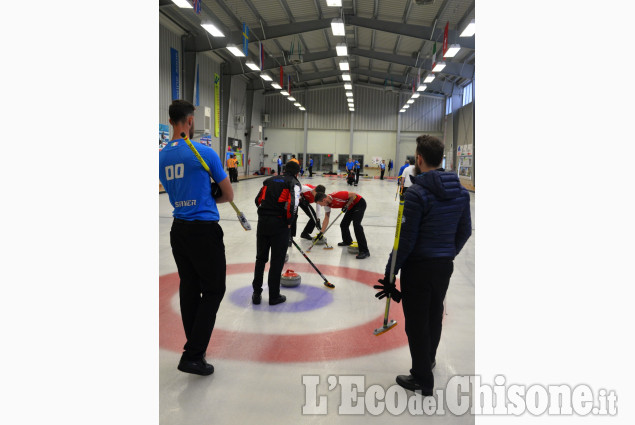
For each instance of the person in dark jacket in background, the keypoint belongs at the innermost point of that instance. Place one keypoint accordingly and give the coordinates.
(277, 204)
(436, 224)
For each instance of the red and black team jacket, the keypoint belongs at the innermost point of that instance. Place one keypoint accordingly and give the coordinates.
(276, 200)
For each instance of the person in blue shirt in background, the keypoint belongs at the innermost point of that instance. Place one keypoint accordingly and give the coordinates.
(279, 164)
(389, 167)
(382, 166)
(357, 167)
(311, 166)
(196, 237)
(403, 167)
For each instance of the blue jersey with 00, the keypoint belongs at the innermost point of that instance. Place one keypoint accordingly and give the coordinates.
(186, 181)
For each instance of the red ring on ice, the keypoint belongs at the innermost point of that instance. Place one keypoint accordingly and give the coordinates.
(279, 348)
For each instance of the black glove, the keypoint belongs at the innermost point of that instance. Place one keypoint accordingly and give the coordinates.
(216, 191)
(318, 225)
(344, 209)
(387, 288)
(318, 237)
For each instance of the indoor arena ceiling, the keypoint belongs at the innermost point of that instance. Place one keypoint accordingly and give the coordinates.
(390, 42)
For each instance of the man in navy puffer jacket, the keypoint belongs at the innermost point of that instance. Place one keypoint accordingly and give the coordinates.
(435, 226)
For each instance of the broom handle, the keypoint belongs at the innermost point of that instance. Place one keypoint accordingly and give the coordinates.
(393, 260)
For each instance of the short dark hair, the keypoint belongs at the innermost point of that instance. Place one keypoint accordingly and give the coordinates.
(411, 161)
(292, 168)
(180, 110)
(320, 188)
(431, 149)
(319, 196)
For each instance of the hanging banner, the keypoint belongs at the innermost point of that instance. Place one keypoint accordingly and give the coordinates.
(174, 66)
(196, 87)
(216, 105)
(445, 38)
(245, 39)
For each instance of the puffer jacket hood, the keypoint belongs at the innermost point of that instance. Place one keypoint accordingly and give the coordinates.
(443, 184)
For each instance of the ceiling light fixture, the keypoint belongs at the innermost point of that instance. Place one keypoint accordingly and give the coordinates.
(341, 49)
(297, 104)
(337, 26)
(291, 98)
(348, 86)
(343, 65)
(438, 67)
(252, 65)
(212, 29)
(410, 101)
(406, 106)
(402, 110)
(285, 93)
(415, 95)
(346, 77)
(331, 3)
(469, 30)
(276, 86)
(235, 51)
(429, 78)
(302, 108)
(265, 76)
(349, 94)
(452, 51)
(182, 4)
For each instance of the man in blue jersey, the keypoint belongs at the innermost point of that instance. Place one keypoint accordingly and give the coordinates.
(403, 167)
(311, 166)
(279, 164)
(196, 237)
(382, 167)
(358, 167)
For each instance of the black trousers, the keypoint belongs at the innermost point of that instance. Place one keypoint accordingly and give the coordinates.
(355, 214)
(233, 175)
(310, 171)
(199, 253)
(423, 287)
(357, 176)
(279, 169)
(276, 242)
(310, 212)
(382, 174)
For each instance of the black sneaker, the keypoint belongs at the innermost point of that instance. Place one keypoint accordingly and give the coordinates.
(409, 383)
(278, 300)
(362, 255)
(306, 236)
(197, 367)
(256, 298)
(344, 244)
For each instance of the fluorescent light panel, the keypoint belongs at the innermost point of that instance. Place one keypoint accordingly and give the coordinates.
(346, 77)
(402, 110)
(212, 29)
(276, 86)
(235, 51)
(291, 98)
(469, 30)
(182, 4)
(348, 86)
(297, 104)
(429, 78)
(343, 65)
(341, 49)
(266, 76)
(302, 108)
(422, 87)
(285, 93)
(415, 95)
(349, 94)
(406, 106)
(252, 65)
(438, 67)
(334, 3)
(337, 26)
(452, 51)
(410, 101)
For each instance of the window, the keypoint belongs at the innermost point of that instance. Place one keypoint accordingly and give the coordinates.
(448, 105)
(468, 94)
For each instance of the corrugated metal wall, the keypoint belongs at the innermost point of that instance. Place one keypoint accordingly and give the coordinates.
(425, 115)
(167, 40)
(237, 106)
(374, 110)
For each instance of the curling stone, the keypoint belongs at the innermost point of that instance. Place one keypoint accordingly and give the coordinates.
(290, 279)
(353, 248)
